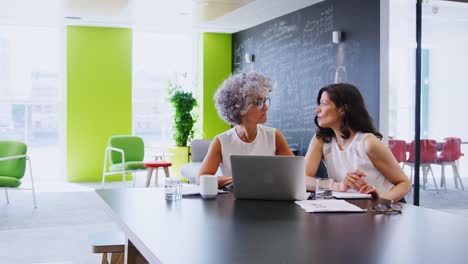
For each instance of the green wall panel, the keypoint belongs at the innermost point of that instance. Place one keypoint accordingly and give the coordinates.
(217, 66)
(99, 96)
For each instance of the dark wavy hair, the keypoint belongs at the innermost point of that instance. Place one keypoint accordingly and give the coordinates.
(347, 97)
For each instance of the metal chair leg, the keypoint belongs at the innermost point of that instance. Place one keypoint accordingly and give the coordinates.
(6, 194)
(433, 178)
(424, 177)
(429, 169)
(124, 175)
(105, 168)
(456, 174)
(443, 181)
(32, 184)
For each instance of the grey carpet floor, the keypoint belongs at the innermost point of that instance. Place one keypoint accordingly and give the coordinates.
(56, 232)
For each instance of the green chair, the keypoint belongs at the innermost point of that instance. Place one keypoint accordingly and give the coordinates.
(126, 154)
(13, 165)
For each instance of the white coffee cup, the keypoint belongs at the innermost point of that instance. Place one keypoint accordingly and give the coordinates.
(208, 186)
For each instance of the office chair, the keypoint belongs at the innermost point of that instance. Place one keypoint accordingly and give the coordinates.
(398, 148)
(427, 157)
(126, 154)
(13, 166)
(450, 154)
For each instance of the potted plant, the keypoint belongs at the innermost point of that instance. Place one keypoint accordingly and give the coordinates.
(184, 120)
(183, 103)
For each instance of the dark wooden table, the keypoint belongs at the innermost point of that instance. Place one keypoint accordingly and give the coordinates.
(225, 230)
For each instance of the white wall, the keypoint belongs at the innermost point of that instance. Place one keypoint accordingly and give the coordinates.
(401, 66)
(445, 34)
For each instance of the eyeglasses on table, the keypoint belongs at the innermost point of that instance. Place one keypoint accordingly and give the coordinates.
(392, 208)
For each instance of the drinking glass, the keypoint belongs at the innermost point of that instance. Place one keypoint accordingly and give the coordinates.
(323, 188)
(173, 188)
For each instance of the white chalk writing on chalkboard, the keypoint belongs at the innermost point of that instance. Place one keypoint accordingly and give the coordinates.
(239, 50)
(311, 32)
(326, 20)
(279, 29)
(297, 53)
(288, 78)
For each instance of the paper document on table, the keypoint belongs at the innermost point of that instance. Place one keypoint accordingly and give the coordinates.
(192, 189)
(351, 194)
(323, 206)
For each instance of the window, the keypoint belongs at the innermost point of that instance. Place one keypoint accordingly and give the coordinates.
(157, 60)
(31, 97)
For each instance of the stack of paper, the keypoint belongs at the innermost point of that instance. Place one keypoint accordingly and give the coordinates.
(322, 206)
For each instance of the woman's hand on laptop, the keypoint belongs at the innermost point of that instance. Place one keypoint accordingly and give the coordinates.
(224, 180)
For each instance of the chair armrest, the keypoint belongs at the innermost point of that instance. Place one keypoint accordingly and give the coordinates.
(14, 157)
(116, 150)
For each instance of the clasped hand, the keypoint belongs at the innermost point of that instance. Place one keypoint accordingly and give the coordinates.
(355, 180)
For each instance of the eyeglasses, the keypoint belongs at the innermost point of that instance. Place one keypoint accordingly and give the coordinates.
(261, 102)
(393, 208)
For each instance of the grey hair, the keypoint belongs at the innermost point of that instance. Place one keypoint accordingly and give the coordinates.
(235, 95)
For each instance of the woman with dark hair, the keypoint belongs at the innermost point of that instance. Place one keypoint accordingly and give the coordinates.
(242, 100)
(350, 146)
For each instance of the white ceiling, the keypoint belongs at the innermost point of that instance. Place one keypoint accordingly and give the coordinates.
(444, 11)
(152, 15)
(252, 14)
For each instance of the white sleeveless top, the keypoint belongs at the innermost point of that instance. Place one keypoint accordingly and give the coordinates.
(340, 162)
(231, 144)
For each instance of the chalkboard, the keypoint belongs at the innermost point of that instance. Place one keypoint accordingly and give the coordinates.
(296, 51)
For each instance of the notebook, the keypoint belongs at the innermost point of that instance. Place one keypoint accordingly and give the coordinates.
(351, 194)
(268, 177)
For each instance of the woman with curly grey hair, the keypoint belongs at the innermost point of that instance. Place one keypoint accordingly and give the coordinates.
(242, 100)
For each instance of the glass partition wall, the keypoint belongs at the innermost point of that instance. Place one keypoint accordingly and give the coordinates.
(442, 130)
(443, 98)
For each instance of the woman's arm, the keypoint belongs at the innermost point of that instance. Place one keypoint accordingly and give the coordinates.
(313, 158)
(385, 162)
(282, 147)
(211, 163)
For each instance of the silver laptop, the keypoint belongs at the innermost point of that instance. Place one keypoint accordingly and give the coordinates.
(268, 177)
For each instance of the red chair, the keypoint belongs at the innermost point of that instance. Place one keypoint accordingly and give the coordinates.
(450, 154)
(427, 157)
(461, 154)
(398, 148)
